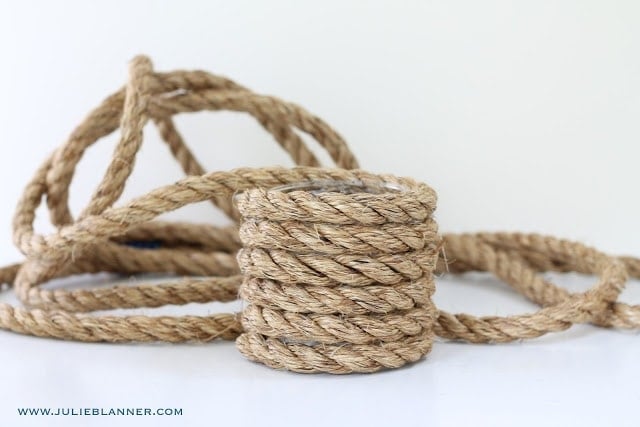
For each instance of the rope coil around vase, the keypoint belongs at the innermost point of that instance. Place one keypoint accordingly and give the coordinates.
(329, 311)
(349, 244)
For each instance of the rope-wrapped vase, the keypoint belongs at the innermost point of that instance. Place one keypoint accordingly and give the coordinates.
(338, 276)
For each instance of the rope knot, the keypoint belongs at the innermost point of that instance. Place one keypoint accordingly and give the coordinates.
(338, 275)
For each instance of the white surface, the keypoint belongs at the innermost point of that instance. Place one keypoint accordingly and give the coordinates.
(523, 116)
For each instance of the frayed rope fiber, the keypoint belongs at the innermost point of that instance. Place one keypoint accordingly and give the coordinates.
(335, 265)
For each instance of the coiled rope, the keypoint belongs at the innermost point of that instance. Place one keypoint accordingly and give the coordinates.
(336, 265)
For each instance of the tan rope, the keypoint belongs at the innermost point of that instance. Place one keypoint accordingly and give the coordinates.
(356, 336)
(335, 265)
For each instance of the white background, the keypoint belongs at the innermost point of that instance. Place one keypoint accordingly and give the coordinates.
(522, 115)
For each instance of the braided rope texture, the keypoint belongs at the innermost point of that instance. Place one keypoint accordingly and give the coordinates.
(336, 265)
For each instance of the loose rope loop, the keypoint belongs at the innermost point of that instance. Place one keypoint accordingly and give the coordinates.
(336, 266)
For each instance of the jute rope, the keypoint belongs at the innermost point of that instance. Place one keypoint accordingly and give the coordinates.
(316, 261)
(335, 265)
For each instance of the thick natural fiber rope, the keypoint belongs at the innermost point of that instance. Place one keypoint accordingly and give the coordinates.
(383, 302)
(350, 255)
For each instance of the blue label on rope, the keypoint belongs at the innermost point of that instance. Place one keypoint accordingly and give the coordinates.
(144, 244)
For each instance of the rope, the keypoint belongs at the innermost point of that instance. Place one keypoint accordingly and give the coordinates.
(336, 265)
(350, 333)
